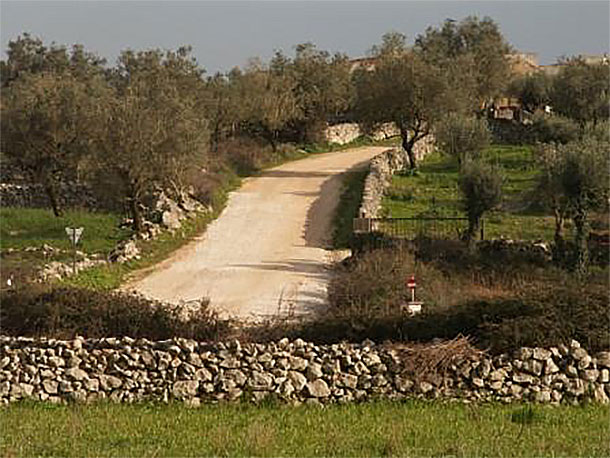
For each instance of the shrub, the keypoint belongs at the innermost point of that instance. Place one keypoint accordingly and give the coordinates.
(553, 129)
(481, 187)
(462, 137)
(501, 304)
(62, 312)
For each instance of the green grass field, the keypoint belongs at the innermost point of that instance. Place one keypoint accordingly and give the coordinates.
(375, 429)
(435, 189)
(34, 227)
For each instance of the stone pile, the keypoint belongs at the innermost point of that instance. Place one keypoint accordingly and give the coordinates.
(128, 370)
(166, 213)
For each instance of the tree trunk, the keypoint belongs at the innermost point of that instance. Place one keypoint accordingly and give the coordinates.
(49, 188)
(407, 145)
(134, 205)
(582, 238)
(558, 238)
(473, 229)
(136, 214)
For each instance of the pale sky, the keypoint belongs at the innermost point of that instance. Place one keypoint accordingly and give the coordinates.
(225, 34)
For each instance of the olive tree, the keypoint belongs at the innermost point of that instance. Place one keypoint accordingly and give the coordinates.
(46, 122)
(462, 137)
(549, 189)
(269, 101)
(323, 88)
(584, 184)
(405, 90)
(473, 54)
(152, 130)
(581, 91)
(481, 188)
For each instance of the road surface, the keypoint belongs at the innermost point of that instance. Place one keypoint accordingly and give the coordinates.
(267, 254)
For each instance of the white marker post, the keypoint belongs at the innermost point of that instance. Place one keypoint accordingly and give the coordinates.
(413, 307)
(411, 284)
(74, 234)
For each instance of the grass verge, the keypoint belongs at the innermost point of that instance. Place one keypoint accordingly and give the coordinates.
(374, 429)
(34, 227)
(347, 208)
(435, 191)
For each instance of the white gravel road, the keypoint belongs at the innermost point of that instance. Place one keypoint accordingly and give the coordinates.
(267, 253)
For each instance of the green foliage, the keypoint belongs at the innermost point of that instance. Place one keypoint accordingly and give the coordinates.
(46, 120)
(462, 137)
(63, 313)
(581, 91)
(472, 53)
(151, 131)
(403, 89)
(481, 187)
(436, 189)
(323, 88)
(28, 55)
(532, 90)
(553, 129)
(411, 428)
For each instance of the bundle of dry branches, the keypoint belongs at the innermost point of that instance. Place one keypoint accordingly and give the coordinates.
(422, 361)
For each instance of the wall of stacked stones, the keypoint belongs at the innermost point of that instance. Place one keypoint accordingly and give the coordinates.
(382, 167)
(128, 370)
(34, 196)
(344, 133)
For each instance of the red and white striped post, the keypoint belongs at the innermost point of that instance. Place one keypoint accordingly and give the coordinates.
(411, 284)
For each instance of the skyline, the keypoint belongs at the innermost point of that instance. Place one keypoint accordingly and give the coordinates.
(228, 34)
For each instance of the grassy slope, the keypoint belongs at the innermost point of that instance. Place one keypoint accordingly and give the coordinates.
(375, 429)
(437, 187)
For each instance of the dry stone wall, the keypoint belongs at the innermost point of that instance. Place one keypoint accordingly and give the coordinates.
(344, 133)
(34, 196)
(382, 167)
(128, 370)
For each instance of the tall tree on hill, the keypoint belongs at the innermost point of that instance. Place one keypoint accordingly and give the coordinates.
(402, 88)
(473, 54)
(581, 91)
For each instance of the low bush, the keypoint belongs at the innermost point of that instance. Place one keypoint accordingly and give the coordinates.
(62, 312)
(499, 305)
(553, 129)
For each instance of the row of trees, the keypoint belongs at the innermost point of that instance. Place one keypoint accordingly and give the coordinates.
(579, 91)
(154, 117)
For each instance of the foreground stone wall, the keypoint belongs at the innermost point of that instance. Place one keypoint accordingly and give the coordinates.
(127, 370)
(382, 167)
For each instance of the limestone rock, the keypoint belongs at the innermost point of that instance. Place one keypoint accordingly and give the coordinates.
(317, 389)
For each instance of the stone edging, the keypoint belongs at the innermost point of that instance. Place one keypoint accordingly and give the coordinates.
(128, 370)
(382, 167)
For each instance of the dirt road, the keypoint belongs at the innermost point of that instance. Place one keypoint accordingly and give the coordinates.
(267, 253)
